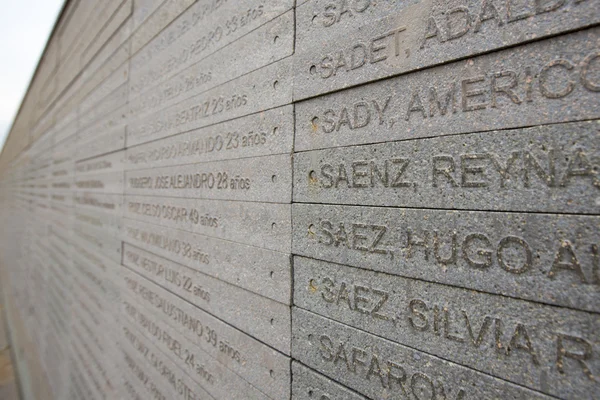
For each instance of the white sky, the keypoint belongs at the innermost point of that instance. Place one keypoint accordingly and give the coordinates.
(24, 29)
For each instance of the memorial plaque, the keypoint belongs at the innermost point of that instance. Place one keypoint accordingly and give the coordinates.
(257, 224)
(266, 88)
(551, 168)
(308, 384)
(244, 310)
(548, 349)
(259, 364)
(265, 133)
(307, 199)
(207, 372)
(112, 162)
(551, 259)
(538, 83)
(275, 39)
(265, 179)
(379, 368)
(201, 30)
(258, 270)
(169, 379)
(344, 43)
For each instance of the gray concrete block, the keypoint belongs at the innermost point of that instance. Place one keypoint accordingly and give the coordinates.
(205, 371)
(152, 92)
(549, 81)
(308, 384)
(256, 362)
(248, 312)
(382, 369)
(258, 270)
(345, 43)
(266, 179)
(201, 30)
(266, 225)
(266, 88)
(538, 346)
(549, 168)
(551, 259)
(264, 133)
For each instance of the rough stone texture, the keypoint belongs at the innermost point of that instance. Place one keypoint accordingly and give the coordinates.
(557, 83)
(244, 310)
(265, 179)
(265, 133)
(248, 357)
(307, 199)
(204, 370)
(266, 88)
(546, 258)
(258, 270)
(382, 369)
(388, 38)
(530, 344)
(549, 168)
(265, 225)
(308, 384)
(275, 39)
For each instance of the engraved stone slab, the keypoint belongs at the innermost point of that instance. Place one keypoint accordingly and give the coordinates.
(552, 259)
(109, 203)
(112, 162)
(156, 22)
(264, 133)
(549, 168)
(266, 88)
(341, 44)
(261, 271)
(106, 222)
(144, 359)
(534, 345)
(244, 310)
(109, 182)
(308, 384)
(259, 364)
(267, 179)
(382, 369)
(264, 225)
(275, 41)
(200, 31)
(555, 80)
(207, 372)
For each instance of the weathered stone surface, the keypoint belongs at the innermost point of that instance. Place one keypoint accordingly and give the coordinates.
(262, 318)
(534, 345)
(265, 179)
(239, 352)
(264, 225)
(110, 163)
(344, 43)
(258, 270)
(548, 168)
(109, 182)
(144, 359)
(275, 39)
(265, 133)
(266, 88)
(557, 83)
(204, 28)
(551, 259)
(308, 384)
(379, 368)
(206, 371)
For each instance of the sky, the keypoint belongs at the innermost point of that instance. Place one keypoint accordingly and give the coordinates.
(25, 26)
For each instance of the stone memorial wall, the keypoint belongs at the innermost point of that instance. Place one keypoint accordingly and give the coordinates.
(309, 199)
